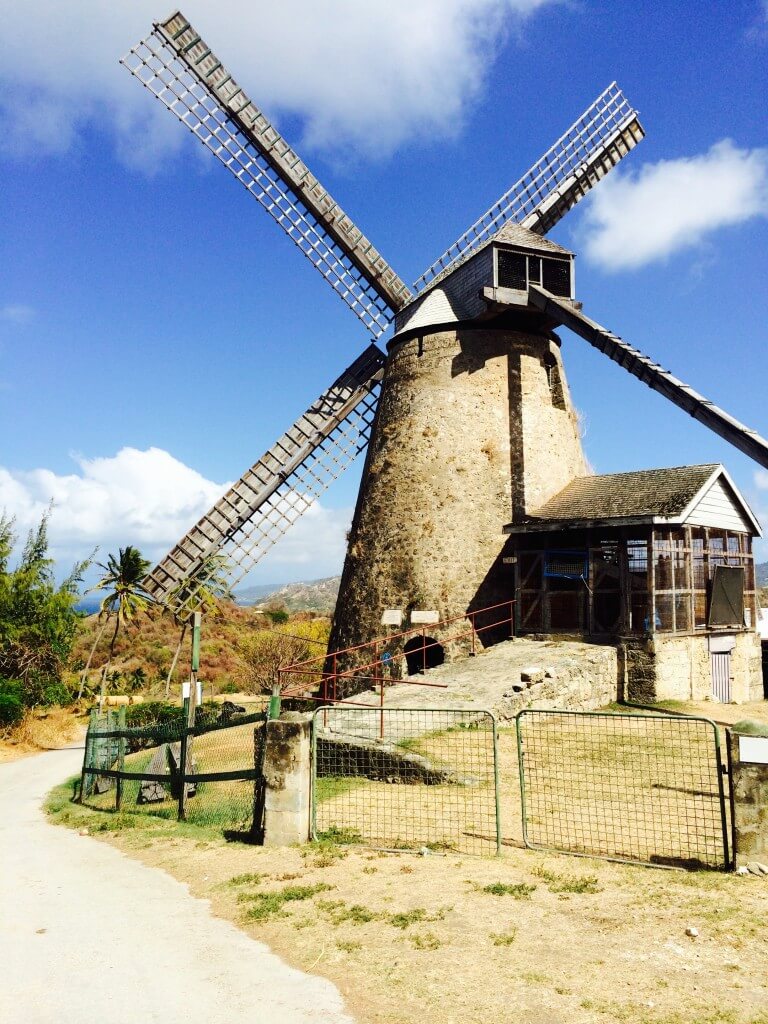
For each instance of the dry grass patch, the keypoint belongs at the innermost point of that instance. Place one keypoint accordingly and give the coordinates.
(556, 938)
(42, 729)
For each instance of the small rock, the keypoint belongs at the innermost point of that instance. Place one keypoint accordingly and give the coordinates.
(754, 868)
(532, 674)
(425, 851)
(518, 687)
(763, 867)
(692, 932)
(83, 832)
(742, 870)
(550, 672)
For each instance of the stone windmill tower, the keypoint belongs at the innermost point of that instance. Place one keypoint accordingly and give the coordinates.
(474, 427)
(468, 414)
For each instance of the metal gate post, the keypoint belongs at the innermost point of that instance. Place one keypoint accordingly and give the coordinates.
(181, 814)
(120, 758)
(496, 792)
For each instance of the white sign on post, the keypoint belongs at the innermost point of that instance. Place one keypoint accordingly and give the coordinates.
(186, 690)
(392, 617)
(753, 749)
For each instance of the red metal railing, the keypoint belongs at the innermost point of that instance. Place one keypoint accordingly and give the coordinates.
(377, 662)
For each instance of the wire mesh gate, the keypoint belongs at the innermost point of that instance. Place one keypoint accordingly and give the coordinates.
(208, 774)
(639, 787)
(400, 778)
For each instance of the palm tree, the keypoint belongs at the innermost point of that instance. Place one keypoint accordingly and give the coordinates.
(123, 577)
(201, 591)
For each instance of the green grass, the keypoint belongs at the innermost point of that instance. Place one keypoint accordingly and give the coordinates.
(519, 891)
(581, 884)
(504, 938)
(61, 809)
(249, 878)
(425, 940)
(408, 917)
(334, 836)
(339, 912)
(329, 786)
(272, 904)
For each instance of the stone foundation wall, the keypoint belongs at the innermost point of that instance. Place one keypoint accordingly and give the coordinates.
(584, 684)
(679, 668)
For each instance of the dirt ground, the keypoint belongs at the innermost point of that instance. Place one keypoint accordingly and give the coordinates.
(444, 938)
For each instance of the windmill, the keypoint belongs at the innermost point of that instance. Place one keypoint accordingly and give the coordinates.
(468, 416)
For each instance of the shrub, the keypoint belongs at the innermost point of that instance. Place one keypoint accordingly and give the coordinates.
(56, 693)
(11, 703)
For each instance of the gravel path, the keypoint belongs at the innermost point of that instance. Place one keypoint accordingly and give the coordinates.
(86, 934)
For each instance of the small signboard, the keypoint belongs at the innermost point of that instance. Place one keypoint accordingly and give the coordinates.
(392, 617)
(753, 749)
(424, 618)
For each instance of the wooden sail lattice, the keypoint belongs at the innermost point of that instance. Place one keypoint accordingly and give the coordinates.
(607, 130)
(655, 376)
(180, 70)
(282, 485)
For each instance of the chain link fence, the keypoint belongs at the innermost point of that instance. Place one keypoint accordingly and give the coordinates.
(637, 787)
(406, 779)
(208, 774)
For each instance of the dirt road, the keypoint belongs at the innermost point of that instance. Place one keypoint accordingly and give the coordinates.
(88, 935)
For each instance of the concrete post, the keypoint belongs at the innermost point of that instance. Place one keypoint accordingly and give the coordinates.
(287, 763)
(748, 749)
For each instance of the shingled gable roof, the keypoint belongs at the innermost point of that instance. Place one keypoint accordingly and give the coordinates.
(510, 233)
(645, 496)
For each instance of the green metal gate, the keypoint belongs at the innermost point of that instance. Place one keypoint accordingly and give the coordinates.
(638, 787)
(406, 778)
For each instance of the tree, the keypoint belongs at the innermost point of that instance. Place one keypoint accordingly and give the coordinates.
(38, 620)
(127, 599)
(201, 591)
(268, 650)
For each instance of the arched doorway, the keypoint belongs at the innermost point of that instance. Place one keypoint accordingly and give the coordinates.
(422, 653)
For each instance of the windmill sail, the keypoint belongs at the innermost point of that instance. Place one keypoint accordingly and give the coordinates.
(650, 373)
(261, 506)
(607, 130)
(179, 69)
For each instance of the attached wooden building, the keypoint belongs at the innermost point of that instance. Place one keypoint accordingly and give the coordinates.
(658, 561)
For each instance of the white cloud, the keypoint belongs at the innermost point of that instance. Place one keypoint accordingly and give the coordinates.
(149, 499)
(362, 76)
(636, 218)
(17, 314)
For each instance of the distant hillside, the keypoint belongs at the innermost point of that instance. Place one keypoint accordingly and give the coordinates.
(256, 593)
(310, 596)
(761, 574)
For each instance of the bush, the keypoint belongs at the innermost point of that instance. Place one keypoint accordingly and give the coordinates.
(11, 703)
(56, 693)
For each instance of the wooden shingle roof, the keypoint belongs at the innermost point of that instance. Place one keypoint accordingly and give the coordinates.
(700, 495)
(516, 234)
(646, 492)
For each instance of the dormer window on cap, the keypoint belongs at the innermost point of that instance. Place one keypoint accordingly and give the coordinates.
(518, 268)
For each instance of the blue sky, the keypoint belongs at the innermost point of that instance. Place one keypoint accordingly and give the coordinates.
(158, 332)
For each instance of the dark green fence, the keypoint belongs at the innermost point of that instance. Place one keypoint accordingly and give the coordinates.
(208, 774)
(406, 779)
(638, 787)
